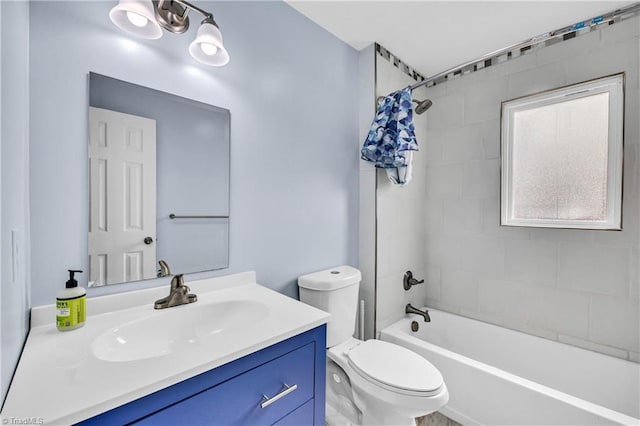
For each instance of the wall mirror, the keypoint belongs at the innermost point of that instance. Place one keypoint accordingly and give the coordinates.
(562, 157)
(158, 183)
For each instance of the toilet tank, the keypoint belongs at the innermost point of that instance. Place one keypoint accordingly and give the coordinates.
(335, 291)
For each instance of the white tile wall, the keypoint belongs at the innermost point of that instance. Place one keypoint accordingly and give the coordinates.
(610, 59)
(435, 249)
(537, 309)
(462, 216)
(500, 297)
(558, 310)
(535, 262)
(367, 194)
(478, 96)
(481, 179)
(400, 252)
(621, 32)
(490, 132)
(459, 288)
(485, 255)
(634, 272)
(432, 279)
(459, 144)
(434, 214)
(491, 223)
(632, 127)
(367, 246)
(536, 79)
(614, 321)
(571, 235)
(401, 216)
(631, 197)
(595, 269)
(559, 52)
(432, 152)
(450, 115)
(444, 181)
(577, 286)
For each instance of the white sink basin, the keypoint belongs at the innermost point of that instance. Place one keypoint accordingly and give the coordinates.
(124, 337)
(175, 329)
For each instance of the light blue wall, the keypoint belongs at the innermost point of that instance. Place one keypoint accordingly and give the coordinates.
(14, 27)
(291, 88)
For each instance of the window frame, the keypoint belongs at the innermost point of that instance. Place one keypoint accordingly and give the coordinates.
(612, 84)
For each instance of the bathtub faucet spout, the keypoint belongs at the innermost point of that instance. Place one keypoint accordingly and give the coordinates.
(411, 310)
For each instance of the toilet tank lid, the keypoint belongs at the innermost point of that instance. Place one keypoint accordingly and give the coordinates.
(330, 279)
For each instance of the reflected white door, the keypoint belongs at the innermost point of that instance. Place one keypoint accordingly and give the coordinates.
(122, 223)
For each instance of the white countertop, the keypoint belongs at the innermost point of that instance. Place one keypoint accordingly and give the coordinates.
(61, 381)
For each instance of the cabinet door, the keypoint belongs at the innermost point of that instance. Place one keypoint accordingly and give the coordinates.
(238, 401)
(301, 416)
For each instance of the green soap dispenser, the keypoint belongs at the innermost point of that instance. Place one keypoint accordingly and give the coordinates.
(71, 305)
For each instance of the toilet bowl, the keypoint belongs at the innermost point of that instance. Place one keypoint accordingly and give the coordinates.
(387, 384)
(392, 385)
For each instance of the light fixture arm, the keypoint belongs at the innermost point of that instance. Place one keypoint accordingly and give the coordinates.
(172, 15)
(208, 16)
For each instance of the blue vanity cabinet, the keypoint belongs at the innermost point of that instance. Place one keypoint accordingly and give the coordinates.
(290, 373)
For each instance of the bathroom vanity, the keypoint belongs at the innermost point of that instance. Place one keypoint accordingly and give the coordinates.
(242, 354)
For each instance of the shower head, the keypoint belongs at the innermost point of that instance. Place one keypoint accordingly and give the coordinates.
(422, 106)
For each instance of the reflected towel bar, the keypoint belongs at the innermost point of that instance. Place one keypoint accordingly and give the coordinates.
(175, 216)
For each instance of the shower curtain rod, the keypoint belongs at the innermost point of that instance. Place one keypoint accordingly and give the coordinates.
(621, 13)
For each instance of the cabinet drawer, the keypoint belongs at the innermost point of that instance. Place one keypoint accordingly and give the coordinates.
(238, 400)
(301, 416)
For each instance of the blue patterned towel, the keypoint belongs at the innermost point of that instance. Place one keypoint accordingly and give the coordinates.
(392, 137)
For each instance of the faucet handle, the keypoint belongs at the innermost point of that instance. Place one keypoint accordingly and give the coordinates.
(410, 281)
(164, 270)
(177, 281)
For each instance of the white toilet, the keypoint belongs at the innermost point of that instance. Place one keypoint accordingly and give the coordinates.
(386, 384)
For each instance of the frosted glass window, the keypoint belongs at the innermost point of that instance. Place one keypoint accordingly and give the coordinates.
(562, 157)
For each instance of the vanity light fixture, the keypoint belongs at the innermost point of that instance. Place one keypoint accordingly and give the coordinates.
(146, 18)
(136, 17)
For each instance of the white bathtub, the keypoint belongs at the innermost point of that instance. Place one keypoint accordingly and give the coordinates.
(498, 376)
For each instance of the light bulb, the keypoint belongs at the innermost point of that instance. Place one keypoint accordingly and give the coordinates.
(137, 20)
(208, 49)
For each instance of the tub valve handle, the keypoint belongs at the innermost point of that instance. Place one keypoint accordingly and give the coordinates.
(409, 281)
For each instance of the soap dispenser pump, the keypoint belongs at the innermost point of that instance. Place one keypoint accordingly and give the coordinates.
(71, 305)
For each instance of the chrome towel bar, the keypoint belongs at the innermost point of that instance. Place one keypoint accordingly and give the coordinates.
(176, 216)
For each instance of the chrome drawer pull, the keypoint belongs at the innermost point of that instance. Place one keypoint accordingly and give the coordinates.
(266, 401)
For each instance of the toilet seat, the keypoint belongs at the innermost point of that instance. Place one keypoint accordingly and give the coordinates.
(395, 368)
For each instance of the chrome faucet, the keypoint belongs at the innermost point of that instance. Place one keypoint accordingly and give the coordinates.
(164, 270)
(411, 310)
(178, 295)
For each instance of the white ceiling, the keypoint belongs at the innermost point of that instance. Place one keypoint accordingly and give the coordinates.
(433, 36)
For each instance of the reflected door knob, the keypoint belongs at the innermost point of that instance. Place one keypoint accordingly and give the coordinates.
(148, 240)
